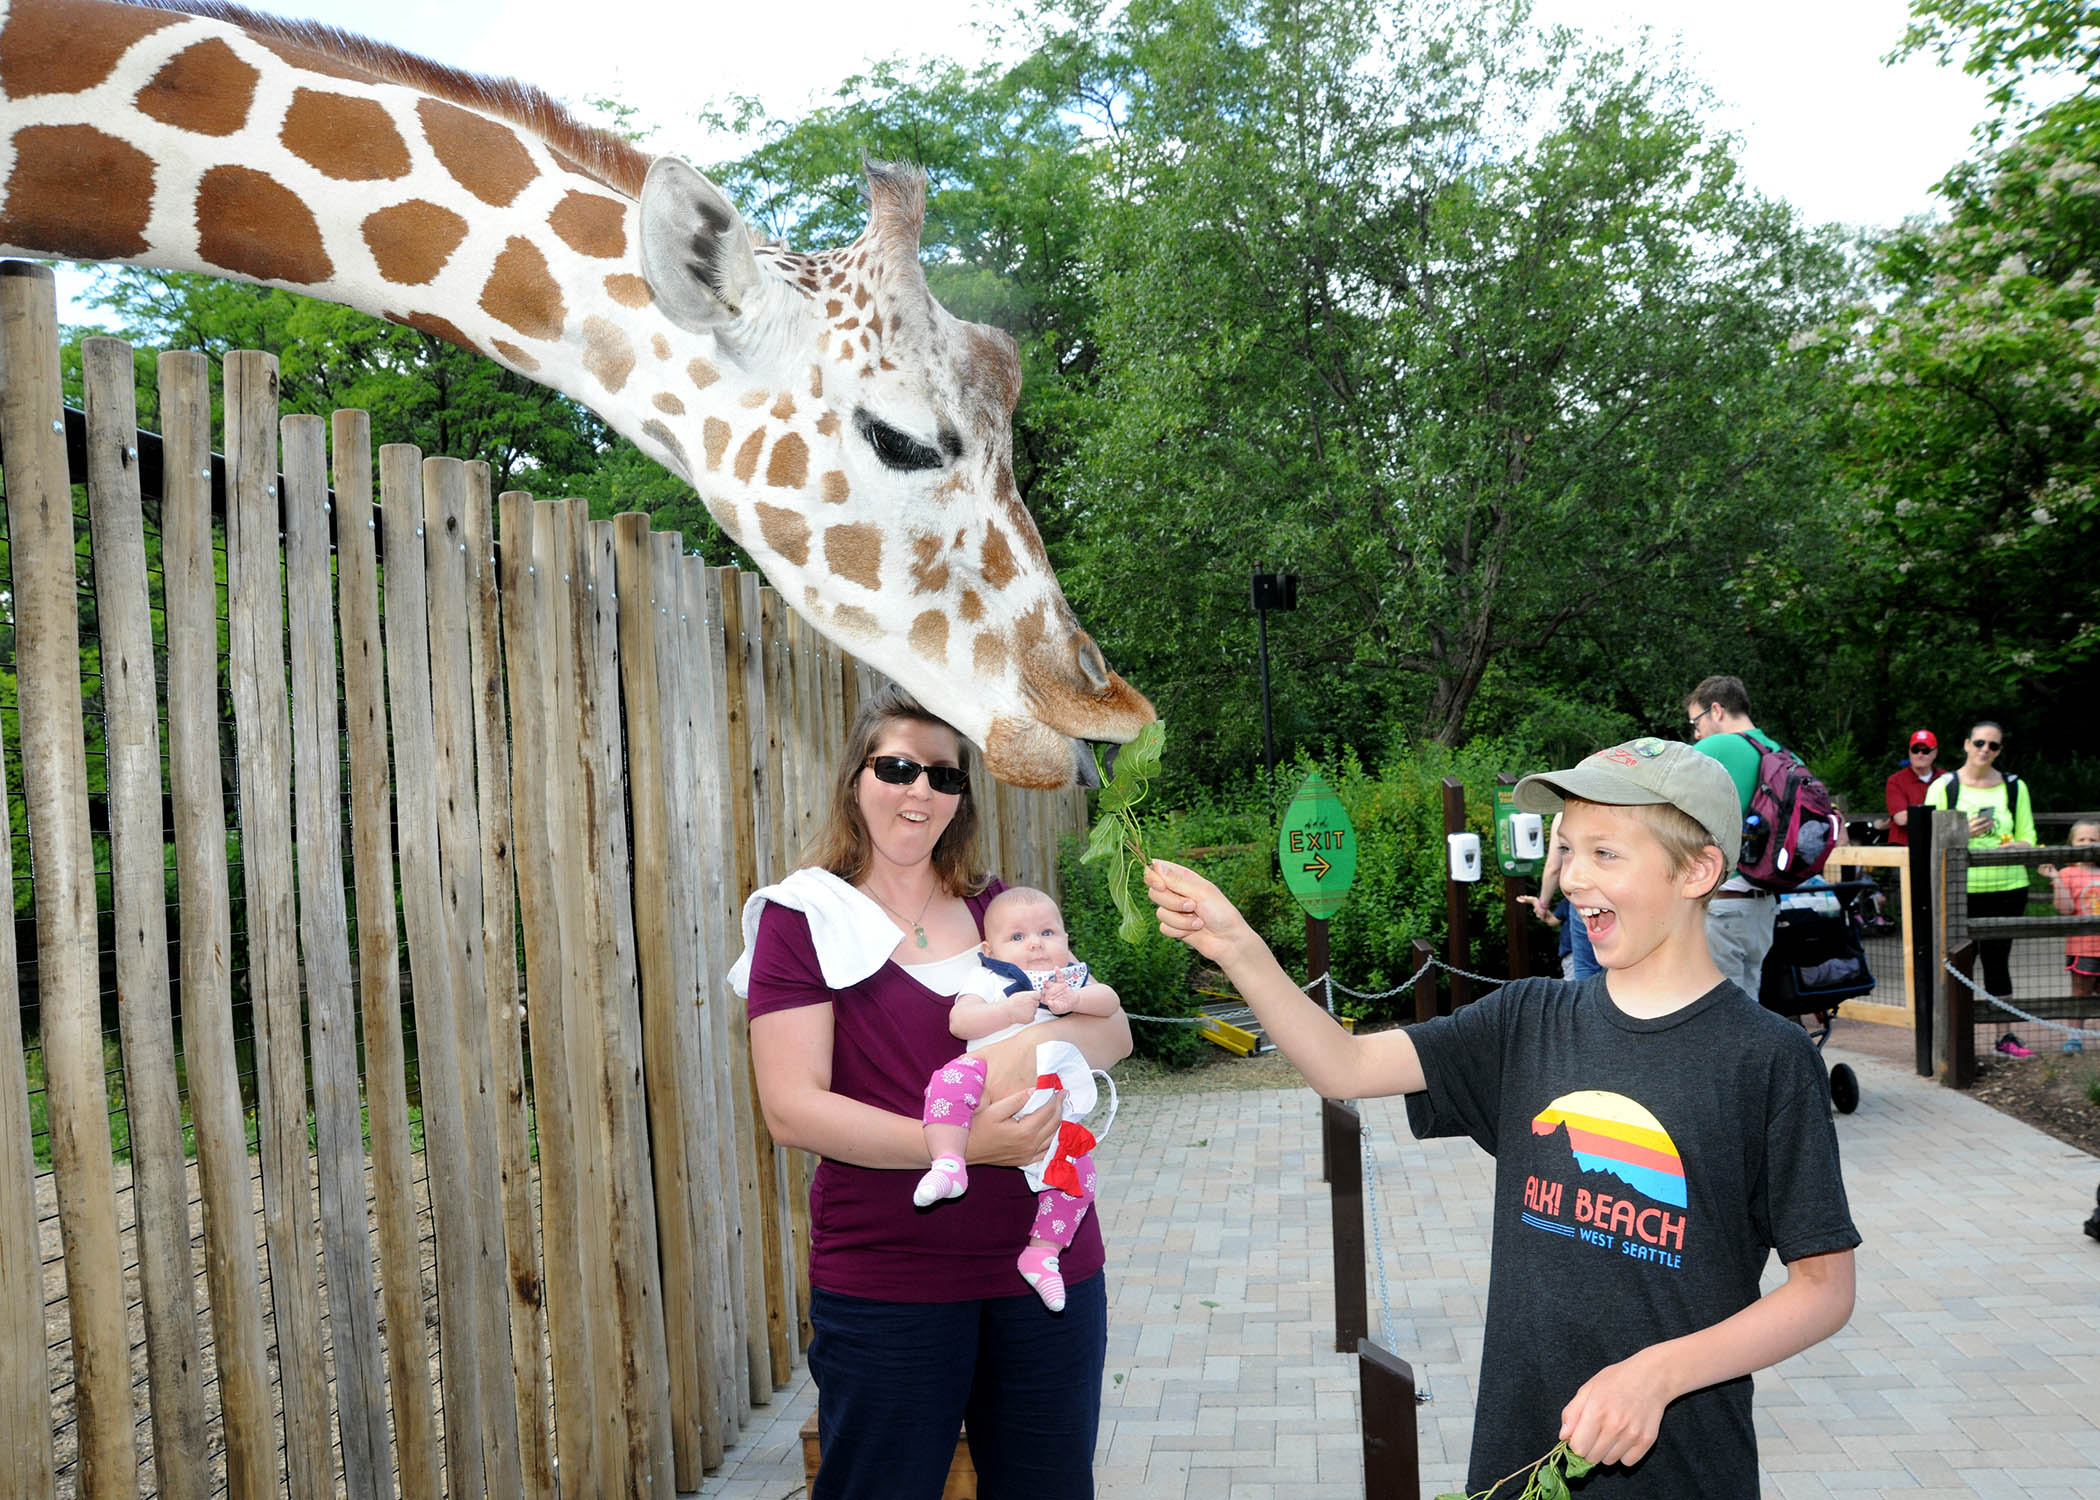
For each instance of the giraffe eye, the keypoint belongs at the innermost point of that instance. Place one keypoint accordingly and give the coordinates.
(897, 450)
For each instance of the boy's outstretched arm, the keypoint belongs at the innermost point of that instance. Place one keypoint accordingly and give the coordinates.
(1614, 1417)
(1339, 1065)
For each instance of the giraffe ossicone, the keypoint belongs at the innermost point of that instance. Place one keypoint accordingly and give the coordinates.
(849, 432)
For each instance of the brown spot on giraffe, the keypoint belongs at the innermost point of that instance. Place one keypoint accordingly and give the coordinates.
(828, 424)
(607, 352)
(701, 373)
(434, 326)
(855, 621)
(788, 468)
(412, 241)
(714, 440)
(972, 607)
(785, 532)
(54, 49)
(629, 291)
(351, 140)
(929, 574)
(816, 382)
(72, 184)
(849, 323)
(516, 356)
(833, 308)
(485, 158)
(250, 224)
(660, 346)
(655, 429)
(875, 323)
(988, 653)
(929, 636)
(855, 553)
(591, 225)
(754, 399)
(522, 292)
(835, 489)
(784, 407)
(204, 89)
(668, 404)
(747, 455)
(996, 561)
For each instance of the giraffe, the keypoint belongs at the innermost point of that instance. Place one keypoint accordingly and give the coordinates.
(846, 430)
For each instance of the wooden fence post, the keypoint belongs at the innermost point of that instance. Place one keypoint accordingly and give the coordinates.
(1425, 985)
(1950, 926)
(1918, 925)
(160, 1190)
(1392, 1446)
(1343, 1127)
(233, 1280)
(1458, 942)
(36, 477)
(1961, 1018)
(262, 732)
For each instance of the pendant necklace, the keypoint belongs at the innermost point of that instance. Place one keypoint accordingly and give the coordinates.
(918, 933)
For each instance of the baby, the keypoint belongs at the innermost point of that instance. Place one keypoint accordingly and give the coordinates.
(1027, 975)
(2078, 895)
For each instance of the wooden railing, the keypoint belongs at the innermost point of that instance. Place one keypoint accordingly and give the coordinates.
(519, 1216)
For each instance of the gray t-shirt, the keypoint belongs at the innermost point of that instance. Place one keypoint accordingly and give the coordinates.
(1644, 1169)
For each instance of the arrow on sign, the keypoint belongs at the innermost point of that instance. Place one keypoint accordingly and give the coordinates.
(1318, 867)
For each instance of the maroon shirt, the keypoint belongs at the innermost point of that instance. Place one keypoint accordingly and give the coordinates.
(889, 1033)
(1905, 790)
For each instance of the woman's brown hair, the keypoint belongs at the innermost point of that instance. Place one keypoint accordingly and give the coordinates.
(842, 845)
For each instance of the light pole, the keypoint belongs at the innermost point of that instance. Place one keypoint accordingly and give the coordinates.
(1271, 591)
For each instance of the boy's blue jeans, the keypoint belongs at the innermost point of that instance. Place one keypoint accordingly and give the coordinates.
(896, 1382)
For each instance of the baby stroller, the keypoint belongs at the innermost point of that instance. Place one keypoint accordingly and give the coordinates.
(1816, 962)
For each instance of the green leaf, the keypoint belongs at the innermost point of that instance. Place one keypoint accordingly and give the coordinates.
(1578, 1465)
(1140, 758)
(1551, 1485)
(1106, 838)
(1452, 1496)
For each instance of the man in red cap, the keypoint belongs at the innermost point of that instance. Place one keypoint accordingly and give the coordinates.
(1907, 784)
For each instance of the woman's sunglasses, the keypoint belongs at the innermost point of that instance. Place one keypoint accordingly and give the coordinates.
(1987, 744)
(951, 781)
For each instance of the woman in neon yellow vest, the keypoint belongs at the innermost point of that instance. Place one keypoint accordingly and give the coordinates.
(2001, 816)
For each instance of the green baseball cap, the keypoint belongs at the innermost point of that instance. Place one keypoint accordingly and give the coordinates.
(1648, 772)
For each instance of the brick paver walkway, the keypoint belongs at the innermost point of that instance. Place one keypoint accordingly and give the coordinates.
(1970, 1368)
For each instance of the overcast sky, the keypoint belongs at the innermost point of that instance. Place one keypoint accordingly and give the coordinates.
(1823, 122)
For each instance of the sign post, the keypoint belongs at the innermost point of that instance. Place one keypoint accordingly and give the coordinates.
(1316, 846)
(1514, 869)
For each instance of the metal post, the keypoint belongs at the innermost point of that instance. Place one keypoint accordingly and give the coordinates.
(1268, 733)
(1515, 927)
(1961, 1018)
(1316, 968)
(1346, 1197)
(1457, 944)
(1392, 1450)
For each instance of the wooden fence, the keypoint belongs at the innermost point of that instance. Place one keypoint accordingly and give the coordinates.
(510, 1223)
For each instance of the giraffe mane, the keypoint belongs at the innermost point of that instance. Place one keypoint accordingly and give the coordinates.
(598, 153)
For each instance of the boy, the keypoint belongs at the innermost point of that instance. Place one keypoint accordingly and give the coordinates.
(1026, 974)
(1656, 1132)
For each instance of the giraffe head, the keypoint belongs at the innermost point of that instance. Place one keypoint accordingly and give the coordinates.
(872, 476)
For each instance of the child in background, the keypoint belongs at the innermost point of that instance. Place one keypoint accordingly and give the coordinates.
(2078, 895)
(1656, 1134)
(1027, 975)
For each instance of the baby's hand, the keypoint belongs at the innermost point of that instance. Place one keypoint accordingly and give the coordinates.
(1056, 995)
(1020, 1009)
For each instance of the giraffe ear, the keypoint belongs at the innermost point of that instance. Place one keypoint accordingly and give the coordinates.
(696, 253)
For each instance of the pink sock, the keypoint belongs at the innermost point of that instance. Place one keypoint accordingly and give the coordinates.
(946, 1178)
(1038, 1267)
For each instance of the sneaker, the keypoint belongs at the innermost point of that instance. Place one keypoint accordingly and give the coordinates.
(2009, 1046)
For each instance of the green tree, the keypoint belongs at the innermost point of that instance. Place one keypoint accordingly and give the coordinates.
(1472, 327)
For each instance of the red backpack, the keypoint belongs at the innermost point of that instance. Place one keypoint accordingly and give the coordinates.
(1792, 824)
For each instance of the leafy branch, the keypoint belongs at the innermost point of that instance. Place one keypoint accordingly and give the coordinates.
(1118, 836)
(1546, 1480)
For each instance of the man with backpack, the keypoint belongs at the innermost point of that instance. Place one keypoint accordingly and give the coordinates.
(1789, 827)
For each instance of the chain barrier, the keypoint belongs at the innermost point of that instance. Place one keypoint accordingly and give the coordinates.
(1331, 985)
(1423, 1394)
(2075, 1033)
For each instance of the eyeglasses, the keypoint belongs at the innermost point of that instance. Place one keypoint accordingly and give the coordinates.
(1987, 744)
(1700, 717)
(950, 781)
(1921, 749)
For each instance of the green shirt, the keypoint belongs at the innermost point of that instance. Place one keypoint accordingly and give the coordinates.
(1739, 758)
(2009, 824)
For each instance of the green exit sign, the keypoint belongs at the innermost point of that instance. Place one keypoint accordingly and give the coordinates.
(1316, 847)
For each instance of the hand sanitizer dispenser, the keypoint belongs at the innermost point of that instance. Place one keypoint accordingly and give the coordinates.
(1465, 855)
(1527, 835)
